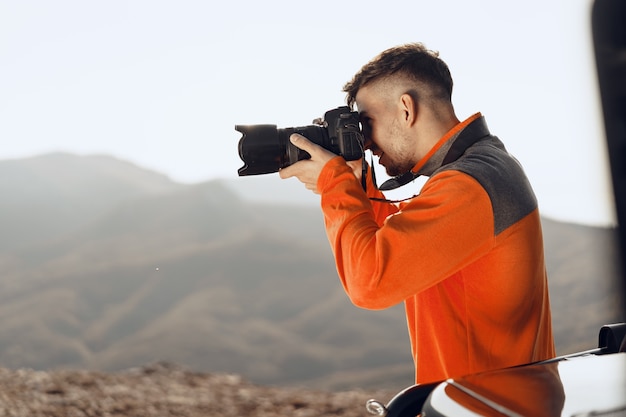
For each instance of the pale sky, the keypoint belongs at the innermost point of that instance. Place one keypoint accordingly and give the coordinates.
(163, 83)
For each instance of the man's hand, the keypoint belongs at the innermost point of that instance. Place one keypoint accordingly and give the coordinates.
(307, 170)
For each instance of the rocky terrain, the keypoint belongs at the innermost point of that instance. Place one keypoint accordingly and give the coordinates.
(164, 389)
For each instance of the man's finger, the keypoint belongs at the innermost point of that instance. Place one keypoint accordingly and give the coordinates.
(316, 151)
(302, 142)
(288, 172)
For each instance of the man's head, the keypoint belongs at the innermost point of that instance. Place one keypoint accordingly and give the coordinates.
(412, 62)
(404, 100)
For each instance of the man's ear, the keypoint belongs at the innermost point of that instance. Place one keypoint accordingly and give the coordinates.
(409, 108)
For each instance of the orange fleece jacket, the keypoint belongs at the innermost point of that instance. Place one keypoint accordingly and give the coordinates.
(465, 256)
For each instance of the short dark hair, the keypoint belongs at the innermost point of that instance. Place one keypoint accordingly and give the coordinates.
(412, 60)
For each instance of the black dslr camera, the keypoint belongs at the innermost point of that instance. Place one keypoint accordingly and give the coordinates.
(265, 149)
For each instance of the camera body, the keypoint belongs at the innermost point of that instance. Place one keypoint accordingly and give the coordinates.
(265, 149)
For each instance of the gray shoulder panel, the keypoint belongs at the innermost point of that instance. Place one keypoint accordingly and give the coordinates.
(502, 177)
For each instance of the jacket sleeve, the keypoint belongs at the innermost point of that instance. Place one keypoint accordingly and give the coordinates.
(434, 235)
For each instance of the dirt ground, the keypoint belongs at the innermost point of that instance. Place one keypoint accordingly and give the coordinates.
(165, 390)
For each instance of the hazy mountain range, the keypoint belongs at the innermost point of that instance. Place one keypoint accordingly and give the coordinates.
(105, 265)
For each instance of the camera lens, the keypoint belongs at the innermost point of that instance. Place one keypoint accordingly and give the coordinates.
(264, 149)
(260, 149)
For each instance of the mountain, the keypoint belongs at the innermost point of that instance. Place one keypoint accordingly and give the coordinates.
(105, 266)
(57, 193)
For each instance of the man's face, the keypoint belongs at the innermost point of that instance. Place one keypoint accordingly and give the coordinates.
(385, 133)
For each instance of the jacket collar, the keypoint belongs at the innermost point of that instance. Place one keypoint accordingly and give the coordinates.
(448, 149)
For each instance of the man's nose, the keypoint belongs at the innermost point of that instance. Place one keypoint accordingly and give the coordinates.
(371, 146)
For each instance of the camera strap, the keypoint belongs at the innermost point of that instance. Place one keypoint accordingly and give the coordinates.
(373, 175)
(364, 173)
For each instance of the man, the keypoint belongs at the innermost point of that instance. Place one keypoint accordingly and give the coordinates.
(466, 254)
